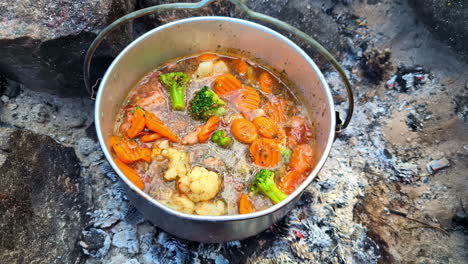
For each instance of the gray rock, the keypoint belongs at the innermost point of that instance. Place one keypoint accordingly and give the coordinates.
(307, 15)
(86, 146)
(40, 113)
(42, 202)
(446, 19)
(43, 42)
(436, 165)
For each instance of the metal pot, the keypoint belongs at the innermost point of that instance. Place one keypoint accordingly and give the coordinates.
(194, 35)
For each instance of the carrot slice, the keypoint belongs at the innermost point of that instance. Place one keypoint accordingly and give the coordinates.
(207, 57)
(128, 151)
(150, 137)
(131, 174)
(265, 81)
(244, 130)
(155, 124)
(245, 205)
(266, 127)
(241, 66)
(277, 110)
(265, 152)
(299, 166)
(206, 130)
(226, 84)
(248, 100)
(138, 123)
(302, 158)
(289, 182)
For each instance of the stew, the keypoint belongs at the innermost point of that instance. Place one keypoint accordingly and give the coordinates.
(212, 134)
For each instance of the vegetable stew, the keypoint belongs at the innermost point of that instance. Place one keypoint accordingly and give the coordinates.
(212, 134)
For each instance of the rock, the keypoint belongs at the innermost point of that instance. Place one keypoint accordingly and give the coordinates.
(40, 113)
(436, 165)
(42, 201)
(446, 19)
(86, 146)
(308, 16)
(9, 88)
(4, 99)
(43, 42)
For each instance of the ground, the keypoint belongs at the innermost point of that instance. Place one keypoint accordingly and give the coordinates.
(374, 201)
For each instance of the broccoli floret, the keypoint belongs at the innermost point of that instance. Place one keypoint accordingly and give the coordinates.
(264, 182)
(176, 82)
(285, 153)
(221, 138)
(206, 104)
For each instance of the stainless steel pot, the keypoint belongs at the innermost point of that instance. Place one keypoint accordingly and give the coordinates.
(193, 35)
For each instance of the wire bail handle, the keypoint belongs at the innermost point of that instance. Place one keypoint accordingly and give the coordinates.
(340, 125)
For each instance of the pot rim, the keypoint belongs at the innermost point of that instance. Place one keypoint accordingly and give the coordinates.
(224, 218)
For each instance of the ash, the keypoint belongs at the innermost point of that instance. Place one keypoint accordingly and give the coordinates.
(403, 121)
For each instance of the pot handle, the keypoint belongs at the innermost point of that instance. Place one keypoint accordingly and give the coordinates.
(340, 125)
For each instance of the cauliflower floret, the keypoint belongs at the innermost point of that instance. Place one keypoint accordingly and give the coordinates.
(217, 207)
(181, 203)
(204, 69)
(200, 184)
(178, 163)
(220, 67)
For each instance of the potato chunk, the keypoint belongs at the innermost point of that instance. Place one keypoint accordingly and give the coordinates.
(217, 207)
(178, 163)
(200, 184)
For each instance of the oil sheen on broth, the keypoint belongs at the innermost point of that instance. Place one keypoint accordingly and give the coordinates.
(212, 134)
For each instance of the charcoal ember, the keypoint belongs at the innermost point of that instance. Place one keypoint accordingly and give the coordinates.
(42, 201)
(133, 216)
(461, 218)
(125, 236)
(417, 117)
(376, 65)
(406, 172)
(8, 87)
(437, 165)
(407, 78)
(95, 242)
(461, 106)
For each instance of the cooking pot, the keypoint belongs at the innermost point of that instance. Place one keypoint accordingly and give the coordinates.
(216, 34)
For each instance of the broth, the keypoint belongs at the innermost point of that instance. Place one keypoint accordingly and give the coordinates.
(212, 134)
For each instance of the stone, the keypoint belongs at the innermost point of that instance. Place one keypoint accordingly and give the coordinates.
(436, 165)
(9, 88)
(43, 42)
(446, 19)
(308, 16)
(86, 146)
(40, 113)
(42, 201)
